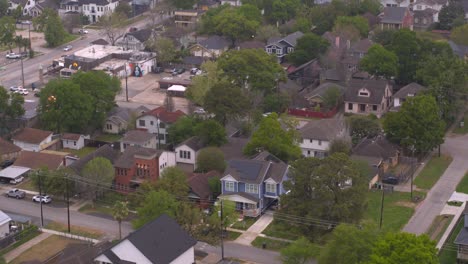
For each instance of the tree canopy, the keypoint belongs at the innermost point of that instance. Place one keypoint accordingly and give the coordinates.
(211, 133)
(380, 62)
(156, 203)
(3, 8)
(99, 173)
(209, 159)
(201, 84)
(308, 47)
(358, 22)
(270, 136)
(174, 181)
(460, 35)
(362, 127)
(449, 13)
(11, 107)
(298, 252)
(54, 33)
(7, 31)
(164, 48)
(406, 47)
(417, 124)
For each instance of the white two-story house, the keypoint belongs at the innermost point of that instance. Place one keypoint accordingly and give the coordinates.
(187, 152)
(93, 9)
(32, 139)
(436, 5)
(410, 90)
(138, 138)
(157, 121)
(283, 46)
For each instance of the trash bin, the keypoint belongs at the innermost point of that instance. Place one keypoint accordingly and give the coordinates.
(33, 86)
(264, 245)
(462, 124)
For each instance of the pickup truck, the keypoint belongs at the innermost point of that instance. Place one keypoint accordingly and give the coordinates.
(15, 193)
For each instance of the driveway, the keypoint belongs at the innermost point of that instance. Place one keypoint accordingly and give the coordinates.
(457, 147)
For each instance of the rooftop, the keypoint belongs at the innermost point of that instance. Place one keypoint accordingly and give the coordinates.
(38, 160)
(394, 15)
(6, 147)
(100, 51)
(137, 136)
(32, 135)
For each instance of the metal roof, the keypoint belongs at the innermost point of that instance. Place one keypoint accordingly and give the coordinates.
(13, 171)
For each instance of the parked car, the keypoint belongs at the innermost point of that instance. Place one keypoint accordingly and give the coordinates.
(6, 163)
(17, 180)
(195, 71)
(83, 31)
(42, 199)
(390, 180)
(132, 29)
(22, 91)
(15, 88)
(67, 48)
(178, 71)
(26, 22)
(13, 55)
(15, 193)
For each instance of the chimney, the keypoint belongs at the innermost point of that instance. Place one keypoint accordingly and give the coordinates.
(337, 41)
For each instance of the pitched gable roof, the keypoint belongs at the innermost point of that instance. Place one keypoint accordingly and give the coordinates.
(137, 136)
(194, 143)
(277, 168)
(291, 39)
(362, 45)
(160, 241)
(127, 159)
(71, 136)
(100, 42)
(32, 135)
(394, 15)
(165, 116)
(412, 88)
(215, 43)
(323, 129)
(322, 89)
(141, 35)
(37, 160)
(6, 147)
(198, 183)
(105, 151)
(250, 171)
(378, 147)
(376, 89)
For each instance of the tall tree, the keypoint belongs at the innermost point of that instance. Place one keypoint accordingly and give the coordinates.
(174, 181)
(283, 10)
(110, 26)
(460, 35)
(124, 8)
(54, 33)
(235, 26)
(201, 84)
(406, 46)
(266, 32)
(209, 159)
(211, 133)
(182, 129)
(449, 13)
(7, 31)
(120, 212)
(164, 48)
(332, 189)
(226, 101)
(3, 7)
(380, 62)
(362, 127)
(308, 47)
(417, 124)
(156, 203)
(349, 244)
(300, 251)
(99, 174)
(404, 248)
(340, 145)
(11, 107)
(51, 182)
(358, 22)
(272, 137)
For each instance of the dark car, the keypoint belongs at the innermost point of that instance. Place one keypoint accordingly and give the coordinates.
(390, 180)
(158, 69)
(178, 71)
(6, 163)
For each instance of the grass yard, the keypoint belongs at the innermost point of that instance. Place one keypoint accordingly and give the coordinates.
(87, 208)
(27, 184)
(271, 244)
(231, 235)
(76, 230)
(282, 230)
(81, 152)
(432, 171)
(463, 185)
(109, 137)
(462, 130)
(438, 226)
(448, 253)
(398, 209)
(46, 249)
(244, 224)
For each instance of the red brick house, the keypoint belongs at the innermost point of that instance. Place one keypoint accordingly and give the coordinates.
(137, 164)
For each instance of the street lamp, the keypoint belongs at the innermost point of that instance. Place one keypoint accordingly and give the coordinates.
(126, 82)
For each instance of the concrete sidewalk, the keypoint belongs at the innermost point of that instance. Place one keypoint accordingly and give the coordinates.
(21, 249)
(248, 236)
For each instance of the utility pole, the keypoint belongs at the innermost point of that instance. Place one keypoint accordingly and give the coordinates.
(222, 232)
(126, 83)
(382, 205)
(21, 58)
(68, 201)
(40, 198)
(412, 171)
(29, 32)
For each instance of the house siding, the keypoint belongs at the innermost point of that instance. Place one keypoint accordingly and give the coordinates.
(67, 143)
(310, 146)
(123, 181)
(179, 159)
(153, 127)
(33, 147)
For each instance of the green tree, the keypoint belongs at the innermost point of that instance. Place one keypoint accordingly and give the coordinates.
(215, 186)
(124, 8)
(417, 124)
(404, 248)
(164, 48)
(283, 10)
(331, 188)
(299, 252)
(208, 21)
(40, 22)
(265, 32)
(383, 36)
(380, 62)
(110, 26)
(449, 13)
(201, 84)
(252, 68)
(11, 107)
(460, 35)
(183, 4)
(332, 97)
(182, 129)
(155, 204)
(272, 137)
(406, 47)
(308, 47)
(277, 102)
(174, 181)
(235, 26)
(340, 145)
(250, 12)
(211, 133)
(7, 31)
(120, 212)
(349, 244)
(209, 159)
(64, 107)
(3, 8)
(17, 13)
(358, 22)
(51, 182)
(54, 33)
(226, 101)
(363, 126)
(323, 16)
(98, 173)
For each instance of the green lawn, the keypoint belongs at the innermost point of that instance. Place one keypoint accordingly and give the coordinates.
(271, 244)
(398, 209)
(77, 230)
(244, 224)
(27, 184)
(109, 137)
(463, 185)
(448, 253)
(438, 227)
(81, 152)
(87, 208)
(432, 171)
(462, 130)
(46, 249)
(283, 230)
(233, 235)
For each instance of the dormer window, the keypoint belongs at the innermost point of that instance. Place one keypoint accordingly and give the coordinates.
(363, 94)
(411, 95)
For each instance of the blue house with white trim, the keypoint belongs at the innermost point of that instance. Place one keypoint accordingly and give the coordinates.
(254, 184)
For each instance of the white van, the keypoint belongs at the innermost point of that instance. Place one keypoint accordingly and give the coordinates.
(17, 180)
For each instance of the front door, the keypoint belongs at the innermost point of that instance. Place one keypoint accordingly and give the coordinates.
(362, 107)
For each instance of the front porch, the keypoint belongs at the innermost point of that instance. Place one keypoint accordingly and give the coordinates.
(245, 204)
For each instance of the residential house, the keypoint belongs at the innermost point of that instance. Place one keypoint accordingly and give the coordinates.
(232, 2)
(396, 18)
(306, 74)
(138, 164)
(283, 46)
(160, 241)
(14, 4)
(200, 191)
(368, 97)
(356, 52)
(317, 136)
(138, 138)
(464, 4)
(204, 5)
(73, 141)
(378, 147)
(4, 224)
(95, 9)
(340, 43)
(410, 90)
(135, 40)
(254, 184)
(187, 152)
(423, 19)
(32, 8)
(397, 3)
(118, 119)
(33, 139)
(187, 18)
(315, 98)
(462, 239)
(435, 5)
(212, 47)
(459, 50)
(374, 170)
(157, 121)
(8, 150)
(106, 151)
(38, 160)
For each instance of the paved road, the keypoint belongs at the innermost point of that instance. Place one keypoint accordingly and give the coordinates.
(457, 147)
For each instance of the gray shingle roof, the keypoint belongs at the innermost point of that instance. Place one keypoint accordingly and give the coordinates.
(137, 136)
(362, 45)
(291, 39)
(412, 88)
(128, 156)
(372, 164)
(323, 129)
(141, 35)
(105, 151)
(376, 89)
(194, 143)
(323, 88)
(277, 167)
(378, 147)
(394, 15)
(215, 43)
(251, 171)
(464, 4)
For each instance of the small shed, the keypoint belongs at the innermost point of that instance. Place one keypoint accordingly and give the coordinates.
(176, 90)
(4, 224)
(13, 173)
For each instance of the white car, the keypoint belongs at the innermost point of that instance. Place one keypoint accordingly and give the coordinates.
(22, 91)
(42, 199)
(67, 48)
(13, 55)
(83, 31)
(15, 88)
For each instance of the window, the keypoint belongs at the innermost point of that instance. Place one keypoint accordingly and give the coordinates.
(268, 50)
(161, 136)
(229, 186)
(74, 143)
(350, 106)
(279, 52)
(320, 142)
(363, 94)
(374, 107)
(251, 188)
(416, 20)
(270, 188)
(290, 49)
(424, 21)
(151, 123)
(183, 154)
(308, 152)
(162, 125)
(141, 122)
